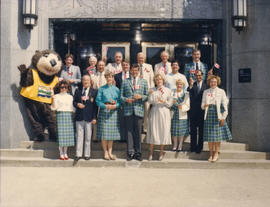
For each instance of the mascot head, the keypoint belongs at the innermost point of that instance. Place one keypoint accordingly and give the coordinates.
(47, 62)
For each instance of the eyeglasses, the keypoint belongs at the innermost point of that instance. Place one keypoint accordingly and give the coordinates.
(63, 87)
(198, 75)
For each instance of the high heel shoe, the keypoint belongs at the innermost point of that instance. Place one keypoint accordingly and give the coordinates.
(112, 157)
(210, 159)
(150, 157)
(215, 158)
(66, 157)
(161, 157)
(62, 157)
(106, 157)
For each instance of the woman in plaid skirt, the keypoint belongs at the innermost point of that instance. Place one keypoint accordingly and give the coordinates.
(63, 104)
(179, 127)
(215, 104)
(108, 99)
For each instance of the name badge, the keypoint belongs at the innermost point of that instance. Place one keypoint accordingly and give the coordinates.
(137, 87)
(84, 98)
(192, 71)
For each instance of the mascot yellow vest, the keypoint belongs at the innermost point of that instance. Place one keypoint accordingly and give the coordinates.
(39, 91)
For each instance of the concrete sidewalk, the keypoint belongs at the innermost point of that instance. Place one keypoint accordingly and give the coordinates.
(67, 187)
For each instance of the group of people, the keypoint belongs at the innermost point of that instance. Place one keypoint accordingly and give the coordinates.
(118, 102)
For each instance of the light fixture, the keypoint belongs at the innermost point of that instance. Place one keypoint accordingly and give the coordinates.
(138, 36)
(68, 38)
(206, 39)
(239, 16)
(30, 13)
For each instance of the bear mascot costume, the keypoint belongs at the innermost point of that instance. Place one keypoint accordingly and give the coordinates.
(37, 84)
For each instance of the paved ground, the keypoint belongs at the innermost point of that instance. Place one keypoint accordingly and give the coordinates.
(133, 187)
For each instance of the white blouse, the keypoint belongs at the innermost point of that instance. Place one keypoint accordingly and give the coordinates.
(63, 102)
(211, 96)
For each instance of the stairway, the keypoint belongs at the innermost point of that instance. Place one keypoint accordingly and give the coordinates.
(45, 154)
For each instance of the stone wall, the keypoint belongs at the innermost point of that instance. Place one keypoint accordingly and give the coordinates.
(251, 101)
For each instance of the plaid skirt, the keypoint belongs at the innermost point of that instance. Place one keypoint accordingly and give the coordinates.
(179, 127)
(108, 125)
(65, 129)
(212, 132)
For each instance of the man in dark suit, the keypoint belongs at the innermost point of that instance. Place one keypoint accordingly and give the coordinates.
(119, 78)
(123, 75)
(86, 114)
(196, 114)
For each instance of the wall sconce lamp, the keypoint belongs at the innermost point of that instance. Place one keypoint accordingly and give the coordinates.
(239, 16)
(30, 13)
(68, 38)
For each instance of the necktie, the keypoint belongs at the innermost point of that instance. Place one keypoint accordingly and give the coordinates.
(141, 70)
(125, 75)
(199, 87)
(197, 66)
(134, 83)
(100, 80)
(165, 70)
(84, 92)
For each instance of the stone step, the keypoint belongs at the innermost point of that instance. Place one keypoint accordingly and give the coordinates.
(122, 146)
(97, 154)
(165, 163)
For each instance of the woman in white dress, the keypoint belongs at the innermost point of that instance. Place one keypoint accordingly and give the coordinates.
(159, 128)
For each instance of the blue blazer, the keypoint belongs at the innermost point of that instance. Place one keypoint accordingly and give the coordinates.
(89, 112)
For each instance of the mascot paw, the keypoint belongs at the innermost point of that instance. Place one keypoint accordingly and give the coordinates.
(22, 68)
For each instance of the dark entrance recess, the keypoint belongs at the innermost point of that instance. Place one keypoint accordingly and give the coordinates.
(105, 36)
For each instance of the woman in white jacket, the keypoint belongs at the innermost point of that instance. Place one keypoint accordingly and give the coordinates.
(215, 104)
(159, 127)
(179, 126)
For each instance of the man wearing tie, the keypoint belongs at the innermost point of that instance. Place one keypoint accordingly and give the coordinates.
(98, 81)
(119, 78)
(190, 68)
(116, 67)
(146, 72)
(163, 67)
(86, 115)
(99, 78)
(134, 92)
(71, 73)
(196, 114)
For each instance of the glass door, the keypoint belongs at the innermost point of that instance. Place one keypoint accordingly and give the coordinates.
(110, 48)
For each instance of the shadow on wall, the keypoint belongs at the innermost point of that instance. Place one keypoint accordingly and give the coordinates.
(23, 34)
(18, 99)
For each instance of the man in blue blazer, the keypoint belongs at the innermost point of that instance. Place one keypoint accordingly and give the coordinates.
(191, 68)
(134, 92)
(196, 114)
(85, 117)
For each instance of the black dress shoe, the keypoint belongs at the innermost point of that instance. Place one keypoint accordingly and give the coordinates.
(77, 158)
(87, 158)
(138, 157)
(129, 157)
(198, 151)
